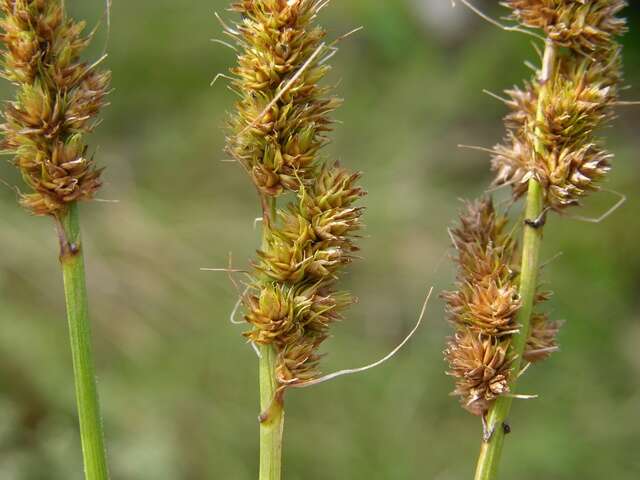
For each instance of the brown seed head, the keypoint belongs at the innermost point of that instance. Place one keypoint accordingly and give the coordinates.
(584, 25)
(58, 98)
(276, 133)
(484, 308)
(481, 367)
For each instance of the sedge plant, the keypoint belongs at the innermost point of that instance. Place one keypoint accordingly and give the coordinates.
(310, 218)
(58, 98)
(551, 158)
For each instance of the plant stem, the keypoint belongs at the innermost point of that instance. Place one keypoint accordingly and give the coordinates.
(271, 402)
(487, 468)
(72, 261)
(272, 417)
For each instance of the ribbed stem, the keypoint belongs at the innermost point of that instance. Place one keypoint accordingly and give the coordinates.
(271, 402)
(271, 418)
(487, 468)
(72, 261)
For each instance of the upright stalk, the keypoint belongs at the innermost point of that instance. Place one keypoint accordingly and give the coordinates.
(59, 96)
(491, 449)
(72, 262)
(272, 417)
(280, 125)
(271, 402)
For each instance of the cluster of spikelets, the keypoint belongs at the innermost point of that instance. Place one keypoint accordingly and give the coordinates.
(278, 143)
(58, 99)
(276, 134)
(582, 90)
(484, 306)
(552, 138)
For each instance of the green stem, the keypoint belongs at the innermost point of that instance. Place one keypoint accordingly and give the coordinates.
(75, 288)
(272, 417)
(271, 401)
(491, 450)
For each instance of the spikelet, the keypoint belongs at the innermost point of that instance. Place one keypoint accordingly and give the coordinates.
(481, 367)
(484, 306)
(581, 93)
(58, 99)
(276, 134)
(278, 142)
(584, 25)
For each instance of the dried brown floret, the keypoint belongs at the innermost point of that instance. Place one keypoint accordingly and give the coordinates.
(58, 98)
(542, 340)
(298, 362)
(485, 307)
(486, 297)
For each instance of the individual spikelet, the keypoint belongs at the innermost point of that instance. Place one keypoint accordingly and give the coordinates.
(278, 142)
(58, 99)
(295, 300)
(584, 25)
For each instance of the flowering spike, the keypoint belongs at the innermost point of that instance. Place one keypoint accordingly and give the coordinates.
(281, 121)
(583, 87)
(484, 307)
(58, 99)
(276, 134)
(294, 300)
(551, 155)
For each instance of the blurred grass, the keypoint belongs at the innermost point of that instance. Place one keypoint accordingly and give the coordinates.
(177, 383)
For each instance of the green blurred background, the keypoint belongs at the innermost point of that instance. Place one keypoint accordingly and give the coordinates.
(177, 381)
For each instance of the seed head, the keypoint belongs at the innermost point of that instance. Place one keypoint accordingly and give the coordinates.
(484, 306)
(584, 25)
(282, 118)
(481, 367)
(295, 301)
(554, 137)
(276, 133)
(58, 99)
